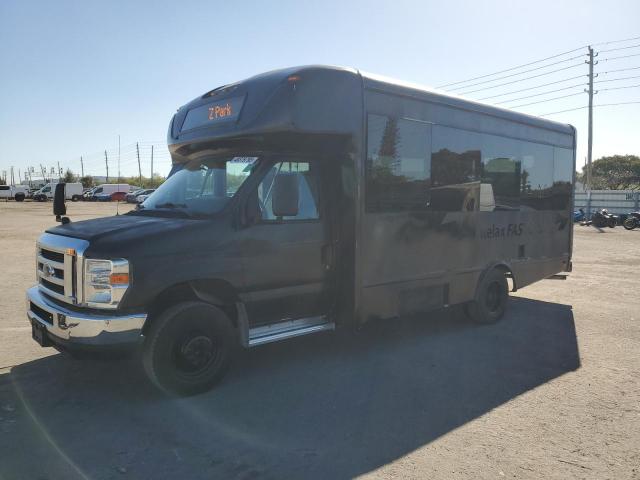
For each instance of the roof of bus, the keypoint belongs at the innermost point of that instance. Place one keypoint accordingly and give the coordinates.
(395, 86)
(392, 85)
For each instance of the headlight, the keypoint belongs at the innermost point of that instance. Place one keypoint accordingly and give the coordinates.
(105, 282)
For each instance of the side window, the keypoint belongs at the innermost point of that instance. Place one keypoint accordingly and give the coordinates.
(98, 190)
(455, 169)
(562, 177)
(537, 176)
(308, 184)
(398, 172)
(501, 171)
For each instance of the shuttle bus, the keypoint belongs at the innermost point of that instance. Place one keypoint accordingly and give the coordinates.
(305, 200)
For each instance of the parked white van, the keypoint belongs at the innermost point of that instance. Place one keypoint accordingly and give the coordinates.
(72, 191)
(17, 192)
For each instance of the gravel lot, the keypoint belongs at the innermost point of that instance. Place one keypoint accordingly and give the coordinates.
(553, 391)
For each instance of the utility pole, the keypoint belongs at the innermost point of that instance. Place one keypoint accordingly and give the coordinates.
(151, 177)
(59, 172)
(139, 168)
(118, 158)
(590, 130)
(106, 162)
(81, 167)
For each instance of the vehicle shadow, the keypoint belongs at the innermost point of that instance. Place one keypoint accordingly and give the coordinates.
(330, 406)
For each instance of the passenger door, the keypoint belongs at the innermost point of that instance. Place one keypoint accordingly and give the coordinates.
(286, 260)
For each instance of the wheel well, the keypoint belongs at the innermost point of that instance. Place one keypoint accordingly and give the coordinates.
(508, 272)
(216, 292)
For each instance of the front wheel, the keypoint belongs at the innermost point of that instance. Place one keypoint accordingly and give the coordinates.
(19, 197)
(630, 223)
(188, 348)
(611, 222)
(491, 299)
(75, 198)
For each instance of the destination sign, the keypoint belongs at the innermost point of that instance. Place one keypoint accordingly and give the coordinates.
(222, 111)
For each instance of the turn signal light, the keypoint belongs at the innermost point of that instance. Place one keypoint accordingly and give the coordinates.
(71, 252)
(119, 279)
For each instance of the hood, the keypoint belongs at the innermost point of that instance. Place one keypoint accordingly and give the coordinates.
(121, 228)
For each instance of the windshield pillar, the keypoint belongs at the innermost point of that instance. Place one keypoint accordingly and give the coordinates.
(219, 183)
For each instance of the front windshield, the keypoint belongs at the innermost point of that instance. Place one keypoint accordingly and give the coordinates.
(201, 187)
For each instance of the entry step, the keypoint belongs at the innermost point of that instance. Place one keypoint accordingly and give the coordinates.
(288, 329)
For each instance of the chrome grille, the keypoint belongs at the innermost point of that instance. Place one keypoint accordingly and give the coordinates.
(57, 258)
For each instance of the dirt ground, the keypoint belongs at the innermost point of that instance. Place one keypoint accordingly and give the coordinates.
(552, 391)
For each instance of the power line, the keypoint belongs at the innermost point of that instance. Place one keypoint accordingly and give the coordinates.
(618, 58)
(533, 88)
(616, 41)
(619, 48)
(511, 69)
(586, 106)
(519, 73)
(617, 79)
(618, 70)
(618, 88)
(541, 93)
(521, 80)
(548, 100)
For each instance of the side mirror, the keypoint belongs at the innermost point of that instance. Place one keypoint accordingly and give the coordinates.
(59, 208)
(286, 192)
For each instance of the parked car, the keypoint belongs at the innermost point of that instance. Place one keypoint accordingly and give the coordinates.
(118, 196)
(107, 189)
(133, 197)
(142, 198)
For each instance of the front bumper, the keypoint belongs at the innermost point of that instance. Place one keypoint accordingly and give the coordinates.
(71, 328)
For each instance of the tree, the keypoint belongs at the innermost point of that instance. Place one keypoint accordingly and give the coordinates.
(617, 172)
(69, 177)
(87, 181)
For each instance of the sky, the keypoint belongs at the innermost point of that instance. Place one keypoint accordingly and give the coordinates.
(79, 75)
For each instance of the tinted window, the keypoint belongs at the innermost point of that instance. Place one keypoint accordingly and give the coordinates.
(501, 169)
(537, 176)
(455, 169)
(307, 194)
(473, 171)
(4, 187)
(398, 164)
(562, 177)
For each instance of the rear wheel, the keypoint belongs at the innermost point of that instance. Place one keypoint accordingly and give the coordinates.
(19, 197)
(630, 223)
(75, 198)
(491, 299)
(611, 222)
(189, 348)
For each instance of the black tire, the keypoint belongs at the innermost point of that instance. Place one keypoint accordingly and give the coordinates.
(75, 198)
(19, 197)
(630, 223)
(188, 348)
(611, 222)
(492, 297)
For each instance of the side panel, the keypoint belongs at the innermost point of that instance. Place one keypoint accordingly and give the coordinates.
(430, 252)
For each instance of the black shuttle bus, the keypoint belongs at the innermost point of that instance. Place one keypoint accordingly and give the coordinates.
(304, 200)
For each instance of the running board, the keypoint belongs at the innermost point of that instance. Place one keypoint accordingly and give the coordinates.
(288, 329)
